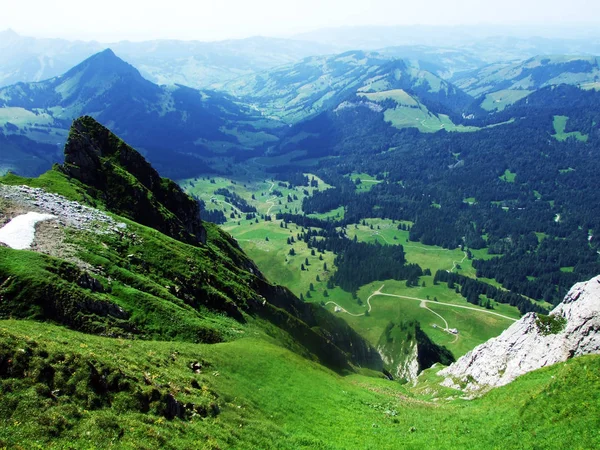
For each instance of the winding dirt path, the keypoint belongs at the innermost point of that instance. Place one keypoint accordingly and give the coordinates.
(423, 305)
(483, 311)
(368, 304)
(270, 201)
(454, 263)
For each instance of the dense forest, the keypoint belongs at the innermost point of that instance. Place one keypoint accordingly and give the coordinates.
(529, 198)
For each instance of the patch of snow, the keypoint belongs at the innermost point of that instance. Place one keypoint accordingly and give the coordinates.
(19, 233)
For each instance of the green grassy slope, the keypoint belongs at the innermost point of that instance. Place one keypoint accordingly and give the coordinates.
(63, 389)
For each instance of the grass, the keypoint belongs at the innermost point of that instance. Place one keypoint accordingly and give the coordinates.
(508, 176)
(501, 99)
(560, 124)
(398, 95)
(366, 181)
(474, 327)
(274, 260)
(335, 214)
(272, 257)
(264, 199)
(268, 397)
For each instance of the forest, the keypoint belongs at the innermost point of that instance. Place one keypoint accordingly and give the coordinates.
(506, 188)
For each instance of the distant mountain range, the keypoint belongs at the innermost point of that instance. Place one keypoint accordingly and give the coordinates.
(192, 63)
(184, 131)
(488, 42)
(444, 51)
(298, 91)
(501, 84)
(159, 120)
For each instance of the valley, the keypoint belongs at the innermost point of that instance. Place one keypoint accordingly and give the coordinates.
(280, 243)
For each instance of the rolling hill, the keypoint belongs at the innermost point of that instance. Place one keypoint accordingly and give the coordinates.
(295, 92)
(502, 84)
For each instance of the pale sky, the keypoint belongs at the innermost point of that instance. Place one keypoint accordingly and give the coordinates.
(113, 20)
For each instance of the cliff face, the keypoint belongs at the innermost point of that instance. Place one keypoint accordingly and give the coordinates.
(407, 351)
(127, 184)
(571, 329)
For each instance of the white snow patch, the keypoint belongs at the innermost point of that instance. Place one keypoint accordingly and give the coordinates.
(20, 231)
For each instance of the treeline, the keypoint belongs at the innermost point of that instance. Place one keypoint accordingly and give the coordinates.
(472, 289)
(236, 200)
(546, 271)
(359, 263)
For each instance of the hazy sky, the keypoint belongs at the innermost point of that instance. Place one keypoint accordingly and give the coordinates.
(111, 20)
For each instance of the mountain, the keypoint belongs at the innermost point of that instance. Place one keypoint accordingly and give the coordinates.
(445, 62)
(490, 43)
(161, 121)
(114, 333)
(502, 84)
(572, 329)
(192, 63)
(120, 278)
(296, 92)
(25, 59)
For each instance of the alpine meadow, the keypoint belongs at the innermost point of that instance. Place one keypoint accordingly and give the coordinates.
(380, 234)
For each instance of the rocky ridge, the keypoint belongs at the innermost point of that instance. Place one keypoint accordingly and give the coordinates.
(535, 341)
(127, 184)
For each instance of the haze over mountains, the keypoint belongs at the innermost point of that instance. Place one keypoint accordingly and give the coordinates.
(192, 63)
(202, 64)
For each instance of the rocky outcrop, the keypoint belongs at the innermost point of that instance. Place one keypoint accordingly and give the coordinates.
(572, 329)
(127, 184)
(406, 350)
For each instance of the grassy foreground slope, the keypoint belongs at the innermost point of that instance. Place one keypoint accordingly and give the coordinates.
(252, 393)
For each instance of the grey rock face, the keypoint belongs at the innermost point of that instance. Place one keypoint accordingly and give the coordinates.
(573, 329)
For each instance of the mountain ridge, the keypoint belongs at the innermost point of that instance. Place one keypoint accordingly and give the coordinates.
(161, 287)
(204, 123)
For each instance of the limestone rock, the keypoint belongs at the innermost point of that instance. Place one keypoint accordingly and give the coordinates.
(572, 329)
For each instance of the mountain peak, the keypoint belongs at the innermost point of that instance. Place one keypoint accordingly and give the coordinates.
(104, 63)
(127, 184)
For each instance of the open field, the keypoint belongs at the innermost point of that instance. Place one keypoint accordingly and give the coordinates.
(366, 181)
(501, 99)
(560, 124)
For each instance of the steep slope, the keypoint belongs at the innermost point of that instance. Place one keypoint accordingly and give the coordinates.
(295, 92)
(572, 329)
(116, 277)
(502, 84)
(127, 184)
(163, 121)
